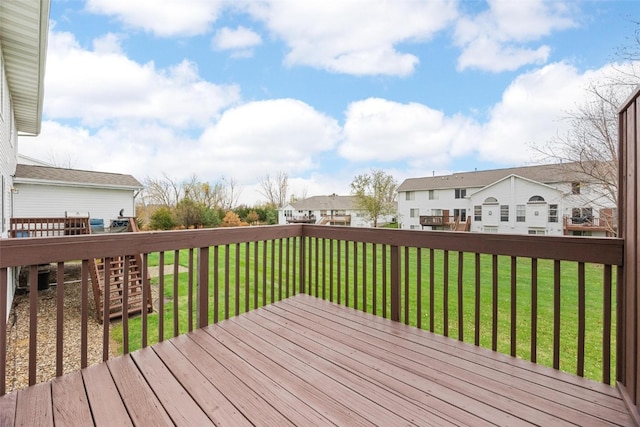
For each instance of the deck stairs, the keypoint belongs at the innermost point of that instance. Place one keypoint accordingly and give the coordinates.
(124, 272)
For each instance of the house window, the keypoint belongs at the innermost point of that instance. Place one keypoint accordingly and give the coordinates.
(490, 229)
(432, 195)
(460, 214)
(536, 199)
(461, 193)
(537, 231)
(410, 195)
(436, 212)
(553, 213)
(504, 213)
(477, 213)
(521, 213)
(415, 227)
(414, 212)
(490, 201)
(575, 188)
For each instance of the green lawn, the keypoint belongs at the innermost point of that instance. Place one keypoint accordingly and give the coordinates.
(322, 278)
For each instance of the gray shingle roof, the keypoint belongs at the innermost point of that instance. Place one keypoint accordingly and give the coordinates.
(30, 173)
(547, 174)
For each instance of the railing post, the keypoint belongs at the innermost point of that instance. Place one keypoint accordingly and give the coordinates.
(395, 283)
(301, 264)
(203, 287)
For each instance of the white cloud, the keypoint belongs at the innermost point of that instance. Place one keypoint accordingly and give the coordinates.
(385, 131)
(353, 37)
(266, 136)
(500, 38)
(164, 18)
(240, 38)
(531, 112)
(104, 85)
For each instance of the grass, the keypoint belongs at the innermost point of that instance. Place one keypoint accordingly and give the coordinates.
(322, 277)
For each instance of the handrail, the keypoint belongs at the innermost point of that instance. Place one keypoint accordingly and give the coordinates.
(450, 283)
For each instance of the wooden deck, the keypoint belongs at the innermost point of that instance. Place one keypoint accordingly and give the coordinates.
(304, 361)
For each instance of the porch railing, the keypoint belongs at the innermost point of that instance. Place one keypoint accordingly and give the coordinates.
(546, 299)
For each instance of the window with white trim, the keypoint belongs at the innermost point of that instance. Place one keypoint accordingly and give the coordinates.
(414, 212)
(410, 195)
(521, 213)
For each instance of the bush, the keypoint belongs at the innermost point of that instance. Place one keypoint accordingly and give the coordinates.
(162, 219)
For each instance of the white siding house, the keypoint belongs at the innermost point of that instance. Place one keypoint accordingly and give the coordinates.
(24, 26)
(543, 199)
(328, 210)
(49, 192)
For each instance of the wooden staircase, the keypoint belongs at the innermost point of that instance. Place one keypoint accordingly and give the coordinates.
(125, 272)
(124, 293)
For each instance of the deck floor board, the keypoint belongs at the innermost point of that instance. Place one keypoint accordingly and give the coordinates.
(304, 361)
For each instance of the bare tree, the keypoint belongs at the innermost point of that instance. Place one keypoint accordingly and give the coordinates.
(375, 194)
(275, 189)
(590, 145)
(230, 194)
(210, 196)
(163, 191)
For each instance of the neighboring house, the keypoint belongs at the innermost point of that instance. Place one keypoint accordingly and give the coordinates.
(328, 210)
(50, 192)
(23, 47)
(546, 199)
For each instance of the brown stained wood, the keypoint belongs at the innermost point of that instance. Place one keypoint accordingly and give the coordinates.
(178, 404)
(105, 401)
(305, 361)
(248, 401)
(33, 322)
(268, 359)
(445, 294)
(143, 406)
(581, 319)
(476, 337)
(524, 371)
(450, 403)
(34, 406)
(534, 310)
(3, 329)
(203, 285)
(514, 305)
(406, 286)
(460, 297)
(215, 404)
(280, 398)
(70, 403)
(8, 409)
(59, 317)
(460, 385)
(226, 281)
(346, 383)
(176, 297)
(496, 372)
(556, 314)
(606, 324)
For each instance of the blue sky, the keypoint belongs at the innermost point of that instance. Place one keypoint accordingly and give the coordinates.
(322, 90)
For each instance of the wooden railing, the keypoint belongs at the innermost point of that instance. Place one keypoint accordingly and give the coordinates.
(545, 299)
(436, 220)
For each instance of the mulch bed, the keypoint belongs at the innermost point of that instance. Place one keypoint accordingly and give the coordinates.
(17, 366)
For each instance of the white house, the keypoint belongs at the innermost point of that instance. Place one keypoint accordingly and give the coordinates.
(24, 26)
(50, 192)
(328, 210)
(545, 199)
